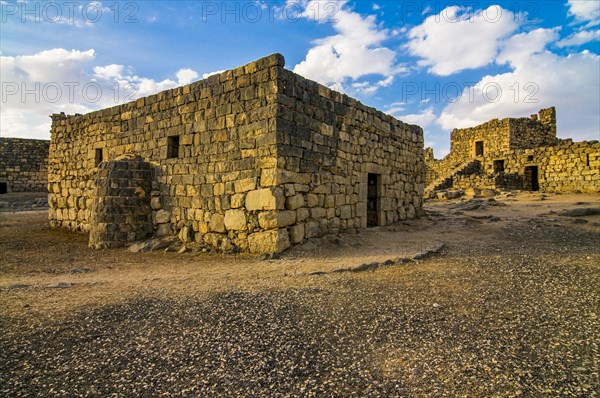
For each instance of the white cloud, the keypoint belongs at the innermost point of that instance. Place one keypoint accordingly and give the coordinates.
(423, 119)
(109, 71)
(355, 51)
(518, 49)
(60, 80)
(579, 38)
(460, 38)
(186, 76)
(539, 78)
(585, 11)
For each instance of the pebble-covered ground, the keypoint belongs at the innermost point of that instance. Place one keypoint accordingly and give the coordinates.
(513, 315)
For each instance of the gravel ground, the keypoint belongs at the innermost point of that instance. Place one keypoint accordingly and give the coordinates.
(514, 316)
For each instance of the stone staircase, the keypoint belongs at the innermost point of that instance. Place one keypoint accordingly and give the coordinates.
(445, 181)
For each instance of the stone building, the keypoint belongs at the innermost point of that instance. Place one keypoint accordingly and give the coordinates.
(256, 157)
(23, 165)
(515, 153)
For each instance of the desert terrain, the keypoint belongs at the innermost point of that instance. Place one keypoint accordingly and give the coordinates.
(481, 297)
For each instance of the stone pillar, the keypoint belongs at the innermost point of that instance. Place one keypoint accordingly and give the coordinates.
(121, 211)
(548, 118)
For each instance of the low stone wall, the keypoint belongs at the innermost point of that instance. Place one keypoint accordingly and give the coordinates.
(23, 164)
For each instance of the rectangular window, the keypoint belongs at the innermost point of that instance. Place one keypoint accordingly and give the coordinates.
(3, 187)
(498, 166)
(98, 157)
(173, 147)
(530, 158)
(479, 148)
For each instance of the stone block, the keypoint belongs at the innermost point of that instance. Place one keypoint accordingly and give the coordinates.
(155, 203)
(217, 223)
(268, 177)
(311, 229)
(312, 200)
(276, 219)
(265, 199)
(302, 214)
(162, 217)
(294, 202)
(296, 233)
(274, 241)
(245, 185)
(237, 200)
(235, 220)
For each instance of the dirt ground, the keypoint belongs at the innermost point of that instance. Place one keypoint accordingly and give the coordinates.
(509, 307)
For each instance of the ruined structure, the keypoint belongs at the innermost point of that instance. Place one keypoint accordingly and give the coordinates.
(515, 153)
(23, 165)
(257, 157)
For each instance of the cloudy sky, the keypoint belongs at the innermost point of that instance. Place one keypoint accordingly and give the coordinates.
(440, 65)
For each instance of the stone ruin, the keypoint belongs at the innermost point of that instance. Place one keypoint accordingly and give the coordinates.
(23, 165)
(256, 158)
(515, 153)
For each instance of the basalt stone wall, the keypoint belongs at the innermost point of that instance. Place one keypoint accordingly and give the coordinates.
(495, 136)
(23, 164)
(328, 146)
(567, 167)
(535, 131)
(255, 157)
(121, 210)
(499, 136)
(211, 143)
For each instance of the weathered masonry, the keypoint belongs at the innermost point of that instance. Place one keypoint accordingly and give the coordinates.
(257, 157)
(516, 153)
(23, 165)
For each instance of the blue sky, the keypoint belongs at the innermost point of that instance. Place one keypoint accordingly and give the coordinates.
(436, 64)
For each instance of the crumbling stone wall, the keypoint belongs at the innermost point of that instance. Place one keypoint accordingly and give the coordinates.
(255, 157)
(567, 167)
(121, 210)
(522, 146)
(23, 164)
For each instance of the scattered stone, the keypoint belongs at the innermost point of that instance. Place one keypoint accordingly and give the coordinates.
(488, 192)
(580, 221)
(423, 254)
(581, 212)
(182, 250)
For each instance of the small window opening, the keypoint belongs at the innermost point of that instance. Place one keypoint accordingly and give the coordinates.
(3, 187)
(530, 158)
(98, 157)
(498, 166)
(173, 147)
(587, 159)
(479, 148)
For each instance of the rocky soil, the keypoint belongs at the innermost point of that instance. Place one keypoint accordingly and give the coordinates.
(485, 297)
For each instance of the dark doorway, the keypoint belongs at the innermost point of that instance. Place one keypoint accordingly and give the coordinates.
(3, 187)
(479, 148)
(498, 166)
(373, 182)
(531, 178)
